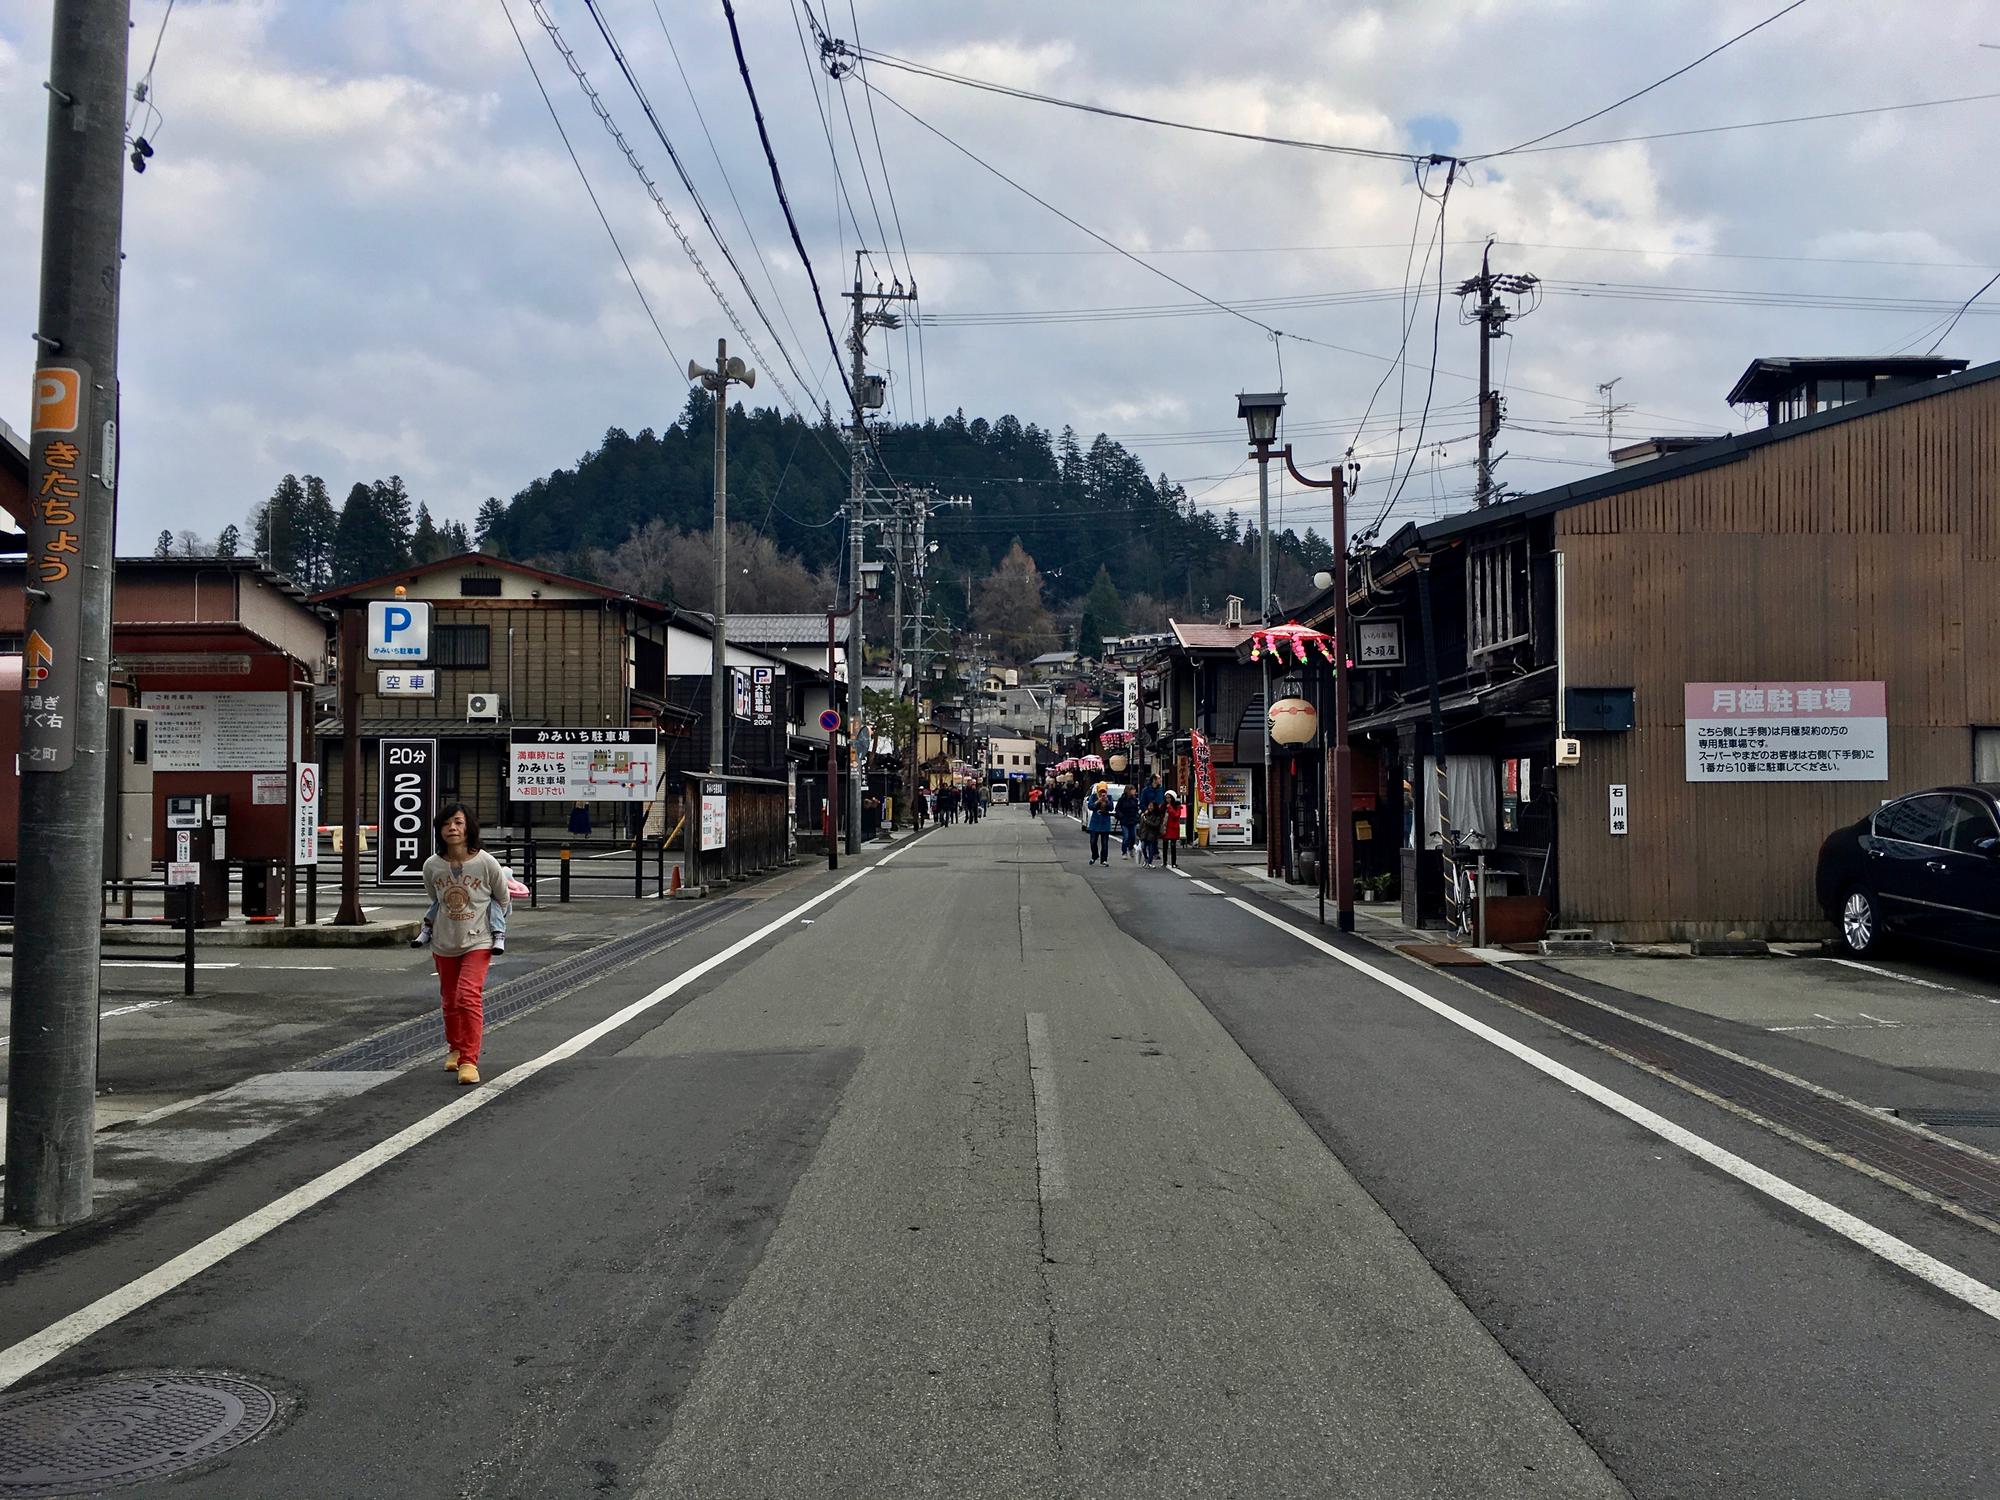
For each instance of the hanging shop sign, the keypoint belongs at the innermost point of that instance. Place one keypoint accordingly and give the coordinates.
(603, 765)
(1787, 731)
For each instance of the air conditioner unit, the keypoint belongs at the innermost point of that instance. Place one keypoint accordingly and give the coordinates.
(482, 706)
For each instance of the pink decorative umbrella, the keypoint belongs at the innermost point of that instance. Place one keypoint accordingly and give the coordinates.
(1090, 763)
(1275, 639)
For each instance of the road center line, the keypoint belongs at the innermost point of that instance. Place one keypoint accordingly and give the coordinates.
(1052, 1178)
(38, 1349)
(1203, 885)
(1945, 1278)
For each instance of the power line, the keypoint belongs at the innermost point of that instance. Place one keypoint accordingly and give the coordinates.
(1638, 93)
(819, 81)
(1962, 312)
(603, 113)
(520, 42)
(778, 185)
(925, 70)
(1430, 385)
(1669, 135)
(714, 230)
(756, 249)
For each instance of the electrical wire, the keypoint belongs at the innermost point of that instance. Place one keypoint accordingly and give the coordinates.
(142, 91)
(714, 230)
(1671, 135)
(895, 213)
(1639, 93)
(521, 42)
(1962, 312)
(1430, 385)
(756, 249)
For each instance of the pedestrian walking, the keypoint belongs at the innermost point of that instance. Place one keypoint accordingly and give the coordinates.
(579, 818)
(1034, 802)
(1128, 821)
(1170, 832)
(1151, 819)
(465, 927)
(1097, 823)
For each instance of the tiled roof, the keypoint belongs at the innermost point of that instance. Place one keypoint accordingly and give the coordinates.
(1198, 636)
(784, 630)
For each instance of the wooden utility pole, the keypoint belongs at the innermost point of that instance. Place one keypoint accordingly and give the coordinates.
(1492, 315)
(72, 515)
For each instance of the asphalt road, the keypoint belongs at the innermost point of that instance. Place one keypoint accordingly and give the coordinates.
(973, 1171)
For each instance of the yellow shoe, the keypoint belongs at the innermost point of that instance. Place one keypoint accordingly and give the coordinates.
(468, 1073)
(451, 1061)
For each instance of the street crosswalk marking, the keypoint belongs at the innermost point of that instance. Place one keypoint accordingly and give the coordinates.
(1948, 1279)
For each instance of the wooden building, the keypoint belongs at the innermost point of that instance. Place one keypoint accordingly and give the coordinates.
(517, 647)
(1855, 541)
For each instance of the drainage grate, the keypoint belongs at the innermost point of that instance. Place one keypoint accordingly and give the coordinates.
(115, 1430)
(410, 1039)
(1989, 1118)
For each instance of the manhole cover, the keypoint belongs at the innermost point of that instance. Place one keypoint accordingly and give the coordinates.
(120, 1429)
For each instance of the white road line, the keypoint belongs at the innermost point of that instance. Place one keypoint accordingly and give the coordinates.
(1203, 885)
(148, 963)
(1947, 1279)
(31, 1353)
(1053, 1171)
(1180, 872)
(1849, 963)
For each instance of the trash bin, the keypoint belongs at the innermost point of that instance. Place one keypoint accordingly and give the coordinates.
(263, 888)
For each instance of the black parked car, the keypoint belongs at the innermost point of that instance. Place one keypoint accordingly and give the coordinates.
(1925, 866)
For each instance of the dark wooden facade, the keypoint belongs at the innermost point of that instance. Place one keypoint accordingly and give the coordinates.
(1858, 544)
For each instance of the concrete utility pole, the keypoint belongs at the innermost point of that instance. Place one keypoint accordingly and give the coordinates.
(1492, 315)
(868, 395)
(73, 510)
(718, 381)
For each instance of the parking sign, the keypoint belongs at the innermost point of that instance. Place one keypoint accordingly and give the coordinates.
(398, 630)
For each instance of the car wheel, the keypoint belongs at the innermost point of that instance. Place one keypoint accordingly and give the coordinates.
(1860, 923)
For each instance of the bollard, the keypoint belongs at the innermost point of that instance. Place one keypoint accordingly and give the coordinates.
(565, 873)
(193, 914)
(638, 872)
(312, 894)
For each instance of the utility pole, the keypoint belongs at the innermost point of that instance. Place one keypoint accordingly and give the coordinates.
(1492, 315)
(718, 381)
(868, 395)
(73, 482)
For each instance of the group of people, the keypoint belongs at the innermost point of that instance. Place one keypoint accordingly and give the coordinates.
(1150, 818)
(948, 804)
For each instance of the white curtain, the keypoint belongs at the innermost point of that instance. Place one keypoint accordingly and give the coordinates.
(1475, 798)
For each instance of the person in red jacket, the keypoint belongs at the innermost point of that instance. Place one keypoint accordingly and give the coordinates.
(1034, 802)
(1170, 831)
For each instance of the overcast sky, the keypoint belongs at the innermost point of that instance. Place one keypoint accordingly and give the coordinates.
(361, 249)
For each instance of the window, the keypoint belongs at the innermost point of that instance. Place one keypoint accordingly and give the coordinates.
(1496, 595)
(479, 586)
(1914, 820)
(1968, 825)
(459, 645)
(1986, 755)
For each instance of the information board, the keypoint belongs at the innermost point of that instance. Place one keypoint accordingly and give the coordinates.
(714, 815)
(218, 731)
(1787, 731)
(587, 765)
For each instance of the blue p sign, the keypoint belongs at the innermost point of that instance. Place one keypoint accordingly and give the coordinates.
(398, 630)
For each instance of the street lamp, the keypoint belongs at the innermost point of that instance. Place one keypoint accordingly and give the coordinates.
(718, 381)
(1260, 413)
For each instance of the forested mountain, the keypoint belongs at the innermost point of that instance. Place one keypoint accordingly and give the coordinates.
(1115, 549)
(1104, 549)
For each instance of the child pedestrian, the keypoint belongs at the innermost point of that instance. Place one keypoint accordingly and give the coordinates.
(1170, 832)
(468, 891)
(1151, 819)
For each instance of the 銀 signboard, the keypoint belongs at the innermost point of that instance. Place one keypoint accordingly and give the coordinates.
(592, 765)
(406, 778)
(1787, 731)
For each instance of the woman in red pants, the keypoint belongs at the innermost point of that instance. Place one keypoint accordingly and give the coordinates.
(468, 890)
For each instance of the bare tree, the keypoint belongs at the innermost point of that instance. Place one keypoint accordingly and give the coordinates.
(191, 544)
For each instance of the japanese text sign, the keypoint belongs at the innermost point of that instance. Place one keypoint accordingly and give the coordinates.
(398, 630)
(61, 465)
(601, 765)
(1787, 731)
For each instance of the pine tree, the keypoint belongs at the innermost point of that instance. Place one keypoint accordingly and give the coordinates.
(392, 499)
(164, 547)
(426, 545)
(491, 514)
(316, 530)
(279, 525)
(365, 544)
(228, 541)
(457, 541)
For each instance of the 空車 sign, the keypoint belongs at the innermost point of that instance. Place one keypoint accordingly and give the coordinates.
(406, 777)
(1787, 731)
(597, 765)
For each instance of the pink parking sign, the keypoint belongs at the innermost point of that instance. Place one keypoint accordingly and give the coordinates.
(1787, 731)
